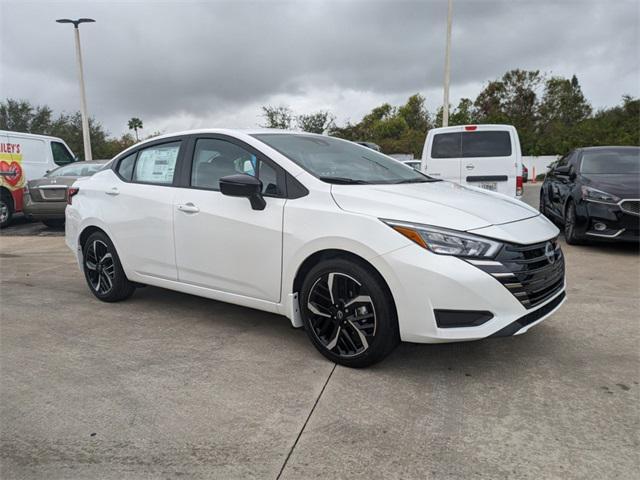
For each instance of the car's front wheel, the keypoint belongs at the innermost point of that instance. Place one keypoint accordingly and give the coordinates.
(103, 270)
(348, 313)
(570, 234)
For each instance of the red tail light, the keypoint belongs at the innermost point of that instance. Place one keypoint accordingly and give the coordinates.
(519, 185)
(71, 192)
(470, 128)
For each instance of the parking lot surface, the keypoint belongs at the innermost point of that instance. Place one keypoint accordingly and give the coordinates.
(167, 385)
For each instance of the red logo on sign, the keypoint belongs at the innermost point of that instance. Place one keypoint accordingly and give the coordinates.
(11, 172)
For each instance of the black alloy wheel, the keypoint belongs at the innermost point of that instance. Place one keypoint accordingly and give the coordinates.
(348, 313)
(103, 270)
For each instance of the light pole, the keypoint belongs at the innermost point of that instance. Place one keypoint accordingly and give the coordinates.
(447, 54)
(83, 99)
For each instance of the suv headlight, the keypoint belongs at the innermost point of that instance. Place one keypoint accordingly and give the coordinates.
(592, 195)
(446, 242)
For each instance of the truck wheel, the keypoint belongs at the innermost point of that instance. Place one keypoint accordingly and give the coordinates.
(6, 209)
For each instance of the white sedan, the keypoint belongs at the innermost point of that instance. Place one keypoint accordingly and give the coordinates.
(345, 241)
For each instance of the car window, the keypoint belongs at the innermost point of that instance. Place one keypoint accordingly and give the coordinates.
(215, 158)
(339, 161)
(157, 164)
(446, 145)
(486, 144)
(614, 161)
(563, 161)
(61, 155)
(125, 167)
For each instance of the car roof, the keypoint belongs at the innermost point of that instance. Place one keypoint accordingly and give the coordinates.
(30, 135)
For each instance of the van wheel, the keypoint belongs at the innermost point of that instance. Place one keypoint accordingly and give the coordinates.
(348, 313)
(6, 209)
(103, 270)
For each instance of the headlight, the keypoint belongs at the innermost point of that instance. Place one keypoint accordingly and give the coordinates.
(446, 242)
(593, 195)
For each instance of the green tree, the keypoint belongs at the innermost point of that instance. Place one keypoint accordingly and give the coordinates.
(21, 116)
(464, 113)
(512, 100)
(135, 124)
(317, 122)
(277, 117)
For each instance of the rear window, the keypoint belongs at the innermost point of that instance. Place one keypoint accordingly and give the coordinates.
(486, 144)
(471, 144)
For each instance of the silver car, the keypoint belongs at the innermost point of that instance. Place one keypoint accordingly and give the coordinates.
(46, 198)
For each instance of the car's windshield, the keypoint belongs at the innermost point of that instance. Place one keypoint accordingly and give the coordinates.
(80, 169)
(339, 161)
(621, 160)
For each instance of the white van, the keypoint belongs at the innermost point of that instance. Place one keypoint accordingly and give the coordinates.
(485, 156)
(23, 157)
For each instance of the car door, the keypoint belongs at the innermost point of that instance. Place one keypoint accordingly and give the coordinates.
(444, 156)
(136, 200)
(221, 242)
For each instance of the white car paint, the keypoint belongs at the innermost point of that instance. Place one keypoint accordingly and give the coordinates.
(221, 249)
(498, 173)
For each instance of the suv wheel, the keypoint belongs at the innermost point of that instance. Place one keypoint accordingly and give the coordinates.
(103, 270)
(348, 313)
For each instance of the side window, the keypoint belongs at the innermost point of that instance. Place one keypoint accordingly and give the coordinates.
(61, 155)
(214, 159)
(125, 167)
(157, 164)
(563, 161)
(446, 145)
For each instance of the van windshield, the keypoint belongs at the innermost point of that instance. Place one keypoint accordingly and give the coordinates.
(333, 160)
(476, 144)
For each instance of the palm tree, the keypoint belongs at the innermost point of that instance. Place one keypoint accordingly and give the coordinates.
(135, 124)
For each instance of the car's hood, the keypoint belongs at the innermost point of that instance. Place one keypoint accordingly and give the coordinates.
(621, 185)
(442, 204)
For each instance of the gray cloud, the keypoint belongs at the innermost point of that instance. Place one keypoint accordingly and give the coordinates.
(190, 64)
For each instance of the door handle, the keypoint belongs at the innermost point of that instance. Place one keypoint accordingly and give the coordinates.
(113, 191)
(188, 208)
(470, 167)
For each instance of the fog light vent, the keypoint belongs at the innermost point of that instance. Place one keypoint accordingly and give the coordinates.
(599, 227)
(461, 318)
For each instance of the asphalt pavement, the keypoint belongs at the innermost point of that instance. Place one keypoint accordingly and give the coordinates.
(168, 385)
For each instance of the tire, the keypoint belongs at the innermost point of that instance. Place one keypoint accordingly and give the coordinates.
(103, 271)
(570, 225)
(54, 223)
(360, 326)
(6, 209)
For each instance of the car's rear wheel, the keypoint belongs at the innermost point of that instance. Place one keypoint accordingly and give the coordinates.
(6, 209)
(348, 313)
(570, 234)
(103, 270)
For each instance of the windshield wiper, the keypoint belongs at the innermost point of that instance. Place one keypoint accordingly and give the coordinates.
(417, 180)
(343, 180)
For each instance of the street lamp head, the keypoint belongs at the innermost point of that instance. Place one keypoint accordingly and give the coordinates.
(75, 22)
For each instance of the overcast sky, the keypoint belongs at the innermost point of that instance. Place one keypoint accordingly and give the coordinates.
(186, 64)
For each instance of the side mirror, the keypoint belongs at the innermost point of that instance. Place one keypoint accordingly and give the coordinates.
(243, 185)
(564, 170)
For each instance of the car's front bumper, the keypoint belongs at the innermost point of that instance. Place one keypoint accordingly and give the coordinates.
(620, 225)
(422, 283)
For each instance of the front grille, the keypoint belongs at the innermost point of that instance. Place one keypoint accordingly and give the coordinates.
(630, 206)
(532, 273)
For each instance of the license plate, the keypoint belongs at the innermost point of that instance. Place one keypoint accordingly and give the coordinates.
(493, 186)
(54, 193)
